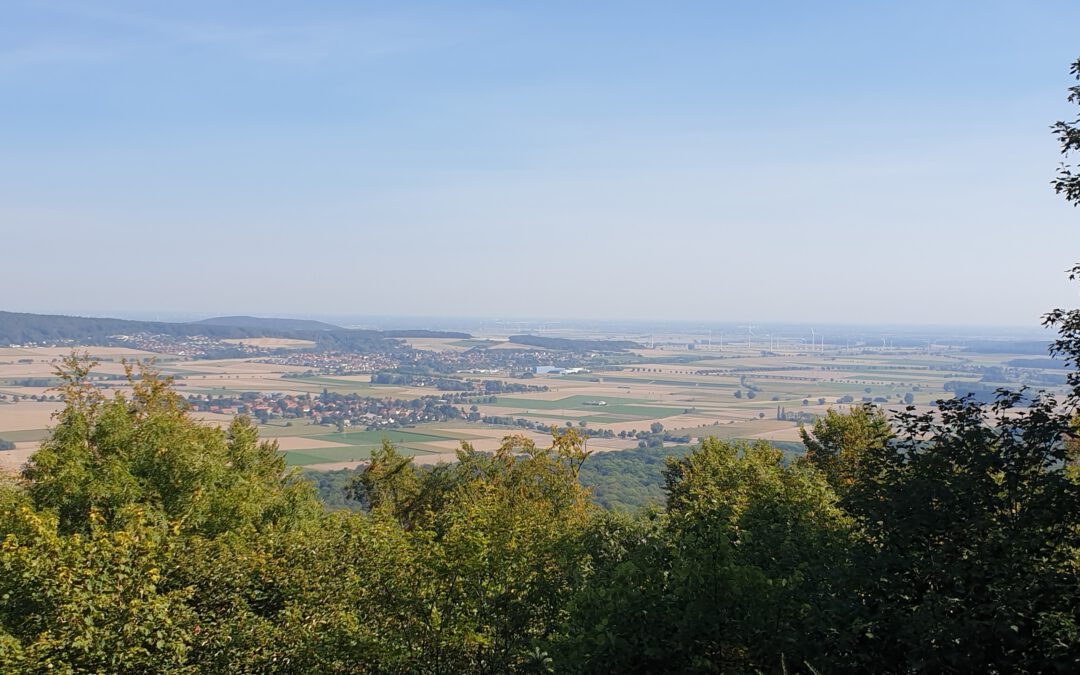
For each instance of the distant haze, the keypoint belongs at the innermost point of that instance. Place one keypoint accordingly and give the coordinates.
(785, 162)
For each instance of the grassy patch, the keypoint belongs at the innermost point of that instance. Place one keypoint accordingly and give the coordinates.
(592, 419)
(570, 403)
(25, 435)
(469, 344)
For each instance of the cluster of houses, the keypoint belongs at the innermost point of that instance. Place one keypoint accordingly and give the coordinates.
(191, 346)
(480, 360)
(333, 409)
(335, 362)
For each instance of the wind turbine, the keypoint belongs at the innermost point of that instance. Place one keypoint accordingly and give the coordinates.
(813, 340)
(749, 334)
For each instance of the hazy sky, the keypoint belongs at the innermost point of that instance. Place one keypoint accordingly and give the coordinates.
(803, 161)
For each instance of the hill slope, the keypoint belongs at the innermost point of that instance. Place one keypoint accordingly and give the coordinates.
(260, 323)
(25, 328)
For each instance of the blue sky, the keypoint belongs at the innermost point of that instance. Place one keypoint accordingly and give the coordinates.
(720, 161)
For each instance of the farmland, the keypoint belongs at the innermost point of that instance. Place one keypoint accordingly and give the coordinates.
(691, 391)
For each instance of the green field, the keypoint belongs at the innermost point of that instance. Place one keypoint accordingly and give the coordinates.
(298, 428)
(568, 403)
(592, 419)
(25, 435)
(469, 344)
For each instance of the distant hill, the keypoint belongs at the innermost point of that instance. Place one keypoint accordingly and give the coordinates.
(261, 323)
(572, 345)
(23, 328)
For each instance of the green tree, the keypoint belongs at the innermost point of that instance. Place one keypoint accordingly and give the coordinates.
(974, 521)
(110, 546)
(90, 602)
(110, 455)
(744, 572)
(841, 445)
(483, 554)
(1067, 182)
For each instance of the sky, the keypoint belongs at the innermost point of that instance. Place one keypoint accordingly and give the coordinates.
(715, 161)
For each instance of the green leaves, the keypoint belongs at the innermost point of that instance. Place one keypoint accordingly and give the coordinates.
(1067, 132)
(747, 562)
(106, 456)
(87, 602)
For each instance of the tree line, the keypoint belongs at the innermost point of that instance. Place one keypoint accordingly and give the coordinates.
(25, 328)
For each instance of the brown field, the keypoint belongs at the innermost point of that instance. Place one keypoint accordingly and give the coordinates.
(224, 367)
(12, 460)
(490, 438)
(366, 379)
(788, 434)
(47, 353)
(213, 419)
(240, 382)
(48, 368)
(301, 443)
(26, 415)
(436, 344)
(755, 428)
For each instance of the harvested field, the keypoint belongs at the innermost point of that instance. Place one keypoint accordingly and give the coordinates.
(789, 434)
(26, 415)
(37, 353)
(437, 344)
(214, 419)
(11, 461)
(289, 443)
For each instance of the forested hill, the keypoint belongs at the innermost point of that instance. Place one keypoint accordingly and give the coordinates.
(573, 345)
(267, 323)
(24, 328)
(19, 328)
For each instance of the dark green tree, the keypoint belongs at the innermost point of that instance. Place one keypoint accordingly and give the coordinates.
(1067, 182)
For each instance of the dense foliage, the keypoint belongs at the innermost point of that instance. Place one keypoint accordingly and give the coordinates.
(629, 480)
(626, 480)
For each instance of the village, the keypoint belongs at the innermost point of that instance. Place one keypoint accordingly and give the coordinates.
(331, 409)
